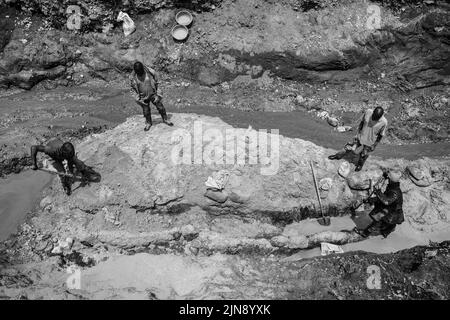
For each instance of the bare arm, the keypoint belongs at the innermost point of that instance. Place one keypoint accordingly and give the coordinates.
(133, 83)
(70, 164)
(77, 163)
(82, 168)
(379, 137)
(155, 77)
(361, 123)
(34, 151)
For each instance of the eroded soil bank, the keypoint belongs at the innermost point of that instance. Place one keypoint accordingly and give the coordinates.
(418, 273)
(147, 206)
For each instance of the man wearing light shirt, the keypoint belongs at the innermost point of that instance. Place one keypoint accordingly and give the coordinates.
(371, 130)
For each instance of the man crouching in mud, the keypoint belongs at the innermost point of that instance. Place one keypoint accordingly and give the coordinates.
(144, 82)
(59, 151)
(388, 210)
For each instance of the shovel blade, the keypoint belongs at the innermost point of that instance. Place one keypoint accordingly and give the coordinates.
(325, 221)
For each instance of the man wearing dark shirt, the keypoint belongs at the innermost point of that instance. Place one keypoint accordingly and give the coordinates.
(59, 151)
(144, 82)
(388, 207)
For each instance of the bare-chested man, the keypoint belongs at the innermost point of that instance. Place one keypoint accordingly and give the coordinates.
(59, 151)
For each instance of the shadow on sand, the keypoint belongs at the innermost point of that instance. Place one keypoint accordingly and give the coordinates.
(90, 176)
(350, 156)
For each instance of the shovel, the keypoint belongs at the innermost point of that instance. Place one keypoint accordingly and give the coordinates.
(372, 188)
(324, 221)
(61, 174)
(68, 175)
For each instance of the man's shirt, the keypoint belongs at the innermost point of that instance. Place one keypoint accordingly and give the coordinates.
(146, 88)
(371, 129)
(392, 200)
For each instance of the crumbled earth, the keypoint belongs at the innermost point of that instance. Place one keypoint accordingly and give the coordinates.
(149, 210)
(150, 228)
(418, 273)
(301, 58)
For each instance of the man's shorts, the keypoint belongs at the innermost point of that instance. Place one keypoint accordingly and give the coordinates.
(154, 98)
(54, 166)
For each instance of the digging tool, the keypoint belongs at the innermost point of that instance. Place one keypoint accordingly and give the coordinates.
(83, 179)
(61, 174)
(324, 221)
(364, 219)
(379, 181)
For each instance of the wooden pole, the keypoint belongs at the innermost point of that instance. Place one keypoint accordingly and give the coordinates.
(317, 188)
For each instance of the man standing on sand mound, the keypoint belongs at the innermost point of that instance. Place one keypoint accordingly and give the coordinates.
(144, 82)
(371, 130)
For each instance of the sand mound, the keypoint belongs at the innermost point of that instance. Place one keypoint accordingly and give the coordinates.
(147, 198)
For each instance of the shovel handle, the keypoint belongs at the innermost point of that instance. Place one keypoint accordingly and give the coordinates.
(316, 187)
(58, 173)
(380, 180)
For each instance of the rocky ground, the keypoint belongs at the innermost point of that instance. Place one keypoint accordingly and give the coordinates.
(147, 204)
(237, 56)
(306, 68)
(418, 273)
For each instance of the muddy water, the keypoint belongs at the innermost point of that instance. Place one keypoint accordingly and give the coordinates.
(404, 237)
(302, 125)
(165, 276)
(19, 194)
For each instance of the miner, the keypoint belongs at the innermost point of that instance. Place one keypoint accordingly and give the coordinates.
(371, 130)
(144, 82)
(59, 151)
(388, 206)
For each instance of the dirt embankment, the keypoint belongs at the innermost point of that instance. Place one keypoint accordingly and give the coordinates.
(148, 210)
(417, 273)
(319, 55)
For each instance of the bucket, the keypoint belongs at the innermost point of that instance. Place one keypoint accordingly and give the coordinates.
(184, 18)
(180, 32)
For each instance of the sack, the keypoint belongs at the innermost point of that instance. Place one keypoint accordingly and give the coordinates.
(218, 180)
(128, 24)
(344, 169)
(329, 248)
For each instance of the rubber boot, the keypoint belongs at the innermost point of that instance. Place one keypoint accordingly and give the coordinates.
(162, 112)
